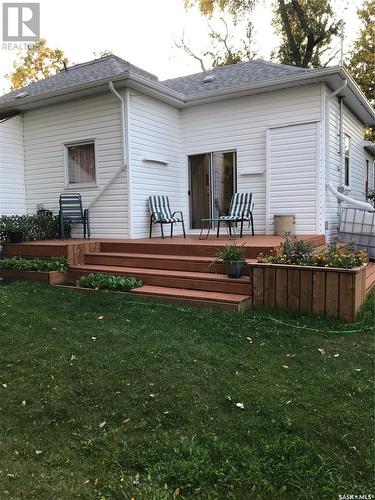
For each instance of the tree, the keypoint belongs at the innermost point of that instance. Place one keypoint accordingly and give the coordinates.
(222, 50)
(39, 62)
(306, 26)
(362, 58)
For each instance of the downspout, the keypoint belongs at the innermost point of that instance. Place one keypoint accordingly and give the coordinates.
(125, 143)
(329, 97)
(123, 128)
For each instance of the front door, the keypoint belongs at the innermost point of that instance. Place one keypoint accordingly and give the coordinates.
(212, 185)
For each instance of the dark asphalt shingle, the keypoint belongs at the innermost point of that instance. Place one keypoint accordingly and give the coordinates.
(224, 77)
(109, 66)
(231, 76)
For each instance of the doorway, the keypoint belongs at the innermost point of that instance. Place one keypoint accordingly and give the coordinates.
(212, 178)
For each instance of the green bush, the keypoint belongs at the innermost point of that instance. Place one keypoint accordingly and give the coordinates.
(101, 281)
(304, 253)
(20, 264)
(34, 227)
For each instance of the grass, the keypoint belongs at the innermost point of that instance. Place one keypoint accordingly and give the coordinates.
(102, 396)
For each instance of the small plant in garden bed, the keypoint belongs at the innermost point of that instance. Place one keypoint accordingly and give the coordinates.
(100, 281)
(304, 253)
(59, 264)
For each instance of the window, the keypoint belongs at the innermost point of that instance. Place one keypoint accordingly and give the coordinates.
(347, 160)
(80, 162)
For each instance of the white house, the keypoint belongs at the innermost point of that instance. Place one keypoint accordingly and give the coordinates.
(294, 137)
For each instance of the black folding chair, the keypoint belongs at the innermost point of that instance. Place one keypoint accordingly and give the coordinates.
(71, 211)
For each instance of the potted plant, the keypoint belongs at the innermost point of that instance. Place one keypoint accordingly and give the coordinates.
(14, 232)
(233, 257)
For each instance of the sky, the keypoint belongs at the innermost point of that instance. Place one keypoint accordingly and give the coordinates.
(144, 32)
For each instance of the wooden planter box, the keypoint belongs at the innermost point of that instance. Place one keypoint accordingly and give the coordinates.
(337, 293)
(51, 277)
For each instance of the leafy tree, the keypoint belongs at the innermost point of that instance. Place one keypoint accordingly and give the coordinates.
(102, 53)
(39, 62)
(306, 26)
(362, 58)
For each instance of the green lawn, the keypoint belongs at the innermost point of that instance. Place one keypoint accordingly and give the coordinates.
(102, 396)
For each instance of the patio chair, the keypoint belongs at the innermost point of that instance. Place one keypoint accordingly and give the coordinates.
(161, 213)
(241, 210)
(71, 211)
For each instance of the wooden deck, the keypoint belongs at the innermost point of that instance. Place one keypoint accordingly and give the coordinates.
(173, 269)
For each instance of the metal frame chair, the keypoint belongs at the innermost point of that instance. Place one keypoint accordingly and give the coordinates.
(161, 213)
(241, 210)
(71, 211)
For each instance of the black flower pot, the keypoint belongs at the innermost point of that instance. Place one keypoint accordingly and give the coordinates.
(15, 236)
(235, 269)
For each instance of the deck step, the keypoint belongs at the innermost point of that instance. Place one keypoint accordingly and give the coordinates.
(190, 248)
(227, 301)
(170, 278)
(162, 261)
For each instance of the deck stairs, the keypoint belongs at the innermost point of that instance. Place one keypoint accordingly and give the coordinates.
(178, 273)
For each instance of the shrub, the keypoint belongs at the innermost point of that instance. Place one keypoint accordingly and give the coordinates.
(20, 264)
(100, 281)
(371, 196)
(34, 227)
(303, 253)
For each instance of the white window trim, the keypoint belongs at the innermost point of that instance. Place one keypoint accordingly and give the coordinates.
(348, 186)
(80, 185)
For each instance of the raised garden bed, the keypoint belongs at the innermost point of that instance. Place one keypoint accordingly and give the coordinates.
(51, 277)
(333, 292)
(52, 271)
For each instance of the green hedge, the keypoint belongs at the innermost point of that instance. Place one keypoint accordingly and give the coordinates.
(34, 227)
(20, 264)
(101, 281)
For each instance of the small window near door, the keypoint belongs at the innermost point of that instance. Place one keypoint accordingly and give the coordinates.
(80, 163)
(347, 160)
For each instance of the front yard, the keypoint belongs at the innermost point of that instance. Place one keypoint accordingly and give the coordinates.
(103, 396)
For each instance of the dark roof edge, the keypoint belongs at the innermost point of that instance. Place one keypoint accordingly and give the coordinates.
(157, 89)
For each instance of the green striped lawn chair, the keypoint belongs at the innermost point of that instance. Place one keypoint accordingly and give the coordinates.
(161, 213)
(241, 210)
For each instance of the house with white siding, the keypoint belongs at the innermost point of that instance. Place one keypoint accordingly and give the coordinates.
(113, 132)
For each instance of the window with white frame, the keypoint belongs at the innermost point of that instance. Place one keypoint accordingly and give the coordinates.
(80, 163)
(347, 142)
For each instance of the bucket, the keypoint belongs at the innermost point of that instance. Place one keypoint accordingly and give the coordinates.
(284, 223)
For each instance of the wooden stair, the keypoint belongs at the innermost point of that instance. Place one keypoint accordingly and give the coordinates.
(169, 276)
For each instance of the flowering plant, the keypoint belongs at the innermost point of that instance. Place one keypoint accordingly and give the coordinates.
(304, 253)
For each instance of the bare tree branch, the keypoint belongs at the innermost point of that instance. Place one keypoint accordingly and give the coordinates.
(181, 44)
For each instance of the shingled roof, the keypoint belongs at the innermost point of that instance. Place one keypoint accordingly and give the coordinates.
(91, 71)
(223, 77)
(232, 75)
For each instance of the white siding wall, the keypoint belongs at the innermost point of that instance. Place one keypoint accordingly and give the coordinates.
(47, 130)
(241, 124)
(355, 129)
(12, 173)
(292, 179)
(154, 135)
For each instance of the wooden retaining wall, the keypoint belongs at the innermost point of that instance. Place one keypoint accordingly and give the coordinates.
(51, 277)
(338, 293)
